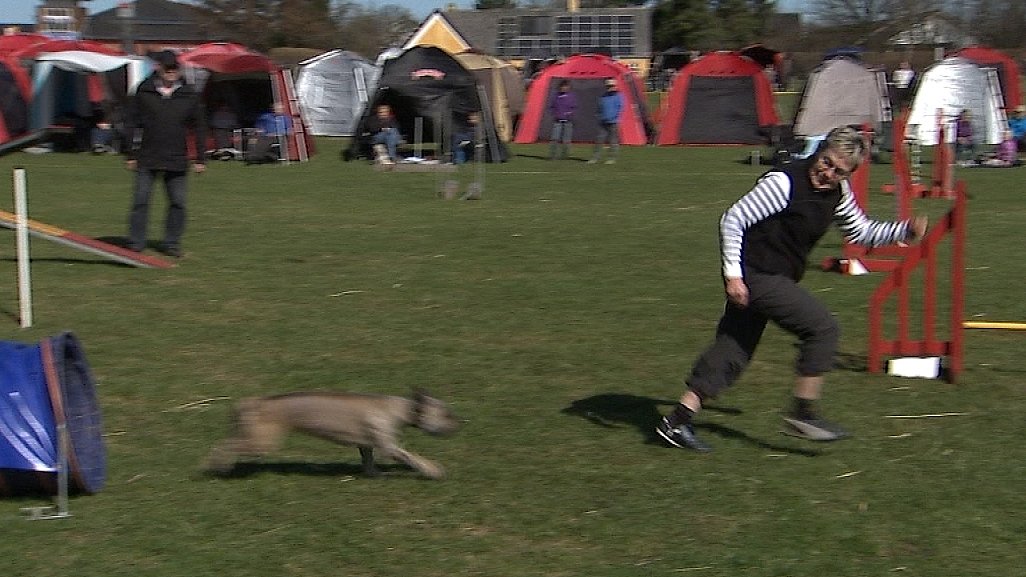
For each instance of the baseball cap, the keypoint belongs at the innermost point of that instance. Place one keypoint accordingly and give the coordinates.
(166, 59)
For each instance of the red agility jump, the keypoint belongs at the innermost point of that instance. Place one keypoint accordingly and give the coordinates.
(942, 173)
(898, 284)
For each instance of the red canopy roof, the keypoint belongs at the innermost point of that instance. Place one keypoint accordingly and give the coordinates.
(12, 42)
(1008, 70)
(29, 51)
(226, 58)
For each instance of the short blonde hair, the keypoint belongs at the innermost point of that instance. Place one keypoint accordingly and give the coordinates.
(847, 142)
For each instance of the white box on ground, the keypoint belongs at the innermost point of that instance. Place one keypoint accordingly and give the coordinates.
(921, 367)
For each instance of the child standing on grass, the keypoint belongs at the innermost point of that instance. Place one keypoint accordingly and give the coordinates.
(965, 152)
(562, 108)
(610, 107)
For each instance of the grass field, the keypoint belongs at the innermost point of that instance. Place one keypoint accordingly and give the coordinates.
(558, 315)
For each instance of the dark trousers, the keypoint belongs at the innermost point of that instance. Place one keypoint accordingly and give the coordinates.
(608, 135)
(771, 298)
(174, 224)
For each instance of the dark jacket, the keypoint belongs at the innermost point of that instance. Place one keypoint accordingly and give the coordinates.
(375, 124)
(158, 127)
(781, 243)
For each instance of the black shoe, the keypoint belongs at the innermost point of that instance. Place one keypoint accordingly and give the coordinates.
(682, 436)
(171, 251)
(813, 429)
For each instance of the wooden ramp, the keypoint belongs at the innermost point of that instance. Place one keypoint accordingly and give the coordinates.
(86, 244)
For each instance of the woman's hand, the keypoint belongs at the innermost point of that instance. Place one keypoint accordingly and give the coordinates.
(737, 291)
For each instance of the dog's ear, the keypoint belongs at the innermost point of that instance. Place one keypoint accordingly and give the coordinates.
(420, 395)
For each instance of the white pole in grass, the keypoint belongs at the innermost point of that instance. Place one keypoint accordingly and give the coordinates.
(24, 276)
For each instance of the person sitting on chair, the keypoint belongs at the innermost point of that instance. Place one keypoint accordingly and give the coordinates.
(1007, 154)
(223, 123)
(1017, 124)
(271, 127)
(464, 139)
(101, 137)
(384, 132)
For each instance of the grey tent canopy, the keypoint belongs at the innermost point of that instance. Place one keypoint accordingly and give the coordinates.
(333, 89)
(840, 92)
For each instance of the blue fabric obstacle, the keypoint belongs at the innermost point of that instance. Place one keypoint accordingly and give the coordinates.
(42, 386)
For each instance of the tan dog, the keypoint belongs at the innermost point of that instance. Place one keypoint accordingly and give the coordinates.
(368, 421)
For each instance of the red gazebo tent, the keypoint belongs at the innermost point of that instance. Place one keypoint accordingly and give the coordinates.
(719, 98)
(250, 83)
(1007, 70)
(587, 74)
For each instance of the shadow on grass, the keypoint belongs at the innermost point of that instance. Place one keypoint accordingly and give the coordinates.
(103, 261)
(14, 317)
(764, 160)
(617, 409)
(545, 157)
(118, 241)
(852, 363)
(123, 242)
(730, 433)
(248, 469)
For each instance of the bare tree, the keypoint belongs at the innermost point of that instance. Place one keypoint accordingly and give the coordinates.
(244, 21)
(490, 4)
(849, 12)
(369, 31)
(998, 23)
(305, 24)
(323, 24)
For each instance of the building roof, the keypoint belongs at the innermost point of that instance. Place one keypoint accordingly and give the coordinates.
(481, 28)
(478, 27)
(154, 20)
(17, 27)
(437, 30)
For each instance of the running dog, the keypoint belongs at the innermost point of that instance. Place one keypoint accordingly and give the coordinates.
(367, 421)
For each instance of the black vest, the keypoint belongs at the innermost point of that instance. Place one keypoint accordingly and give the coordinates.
(781, 243)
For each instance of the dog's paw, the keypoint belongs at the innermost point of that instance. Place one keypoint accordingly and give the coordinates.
(217, 469)
(433, 471)
(218, 463)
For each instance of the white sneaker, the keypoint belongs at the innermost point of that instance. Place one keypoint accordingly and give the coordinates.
(381, 154)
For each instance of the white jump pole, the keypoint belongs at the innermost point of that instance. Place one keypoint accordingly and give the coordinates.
(22, 235)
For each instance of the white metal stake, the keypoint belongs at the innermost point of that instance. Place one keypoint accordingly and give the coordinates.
(64, 445)
(60, 510)
(24, 274)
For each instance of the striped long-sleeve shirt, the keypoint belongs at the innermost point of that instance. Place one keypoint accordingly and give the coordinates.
(773, 227)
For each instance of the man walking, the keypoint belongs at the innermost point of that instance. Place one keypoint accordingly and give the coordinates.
(159, 118)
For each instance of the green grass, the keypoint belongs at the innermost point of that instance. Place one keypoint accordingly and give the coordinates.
(558, 315)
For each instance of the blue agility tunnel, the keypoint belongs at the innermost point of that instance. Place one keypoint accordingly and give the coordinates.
(43, 388)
